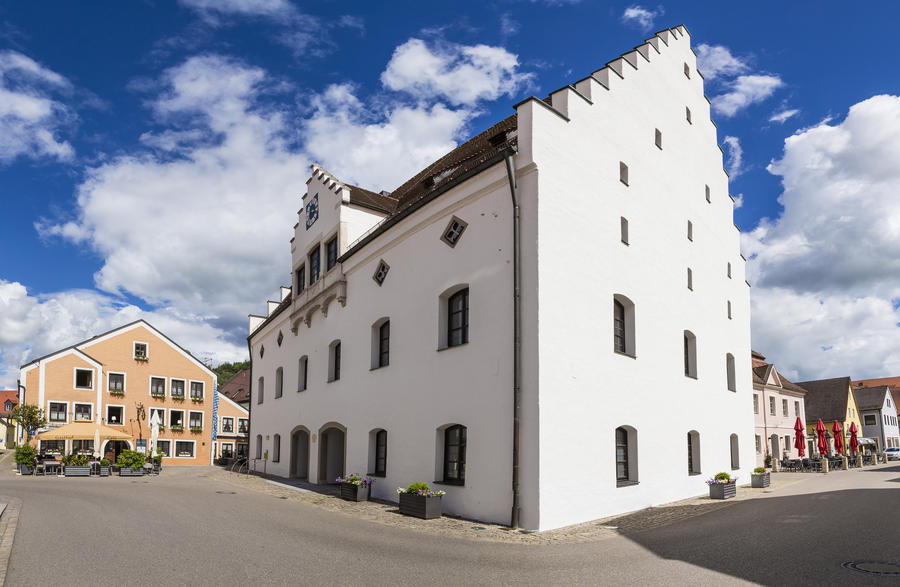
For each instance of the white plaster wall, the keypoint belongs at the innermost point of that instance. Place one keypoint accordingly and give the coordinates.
(586, 390)
(766, 424)
(423, 388)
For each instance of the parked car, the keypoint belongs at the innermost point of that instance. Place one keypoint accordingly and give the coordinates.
(893, 454)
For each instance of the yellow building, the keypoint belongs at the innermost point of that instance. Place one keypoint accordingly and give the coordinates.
(117, 376)
(830, 400)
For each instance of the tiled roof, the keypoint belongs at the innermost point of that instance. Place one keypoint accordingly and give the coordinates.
(7, 395)
(826, 399)
(237, 389)
(762, 371)
(363, 197)
(892, 382)
(870, 398)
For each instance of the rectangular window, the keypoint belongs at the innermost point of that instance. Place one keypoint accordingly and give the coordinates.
(771, 406)
(116, 382)
(729, 309)
(623, 227)
(161, 412)
(227, 450)
(243, 426)
(228, 425)
(196, 390)
(758, 445)
(56, 447)
(195, 421)
(621, 454)
(797, 409)
(184, 449)
(690, 279)
(658, 139)
(455, 455)
(687, 71)
(690, 230)
(57, 412)
(336, 372)
(708, 196)
(381, 453)
(314, 265)
(784, 408)
(301, 278)
(276, 448)
(331, 253)
(177, 419)
(279, 382)
(384, 344)
(260, 390)
(83, 412)
(165, 447)
(690, 443)
(623, 172)
(84, 379)
(140, 351)
(687, 114)
(176, 387)
(83, 447)
(458, 318)
(157, 387)
(728, 270)
(755, 404)
(302, 365)
(115, 415)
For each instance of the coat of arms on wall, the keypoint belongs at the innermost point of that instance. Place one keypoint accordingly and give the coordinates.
(312, 211)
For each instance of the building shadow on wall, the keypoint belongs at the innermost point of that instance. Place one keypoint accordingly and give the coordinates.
(791, 540)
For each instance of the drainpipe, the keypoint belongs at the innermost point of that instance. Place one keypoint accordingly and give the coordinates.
(517, 333)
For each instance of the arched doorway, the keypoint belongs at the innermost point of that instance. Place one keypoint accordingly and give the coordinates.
(113, 448)
(299, 467)
(332, 450)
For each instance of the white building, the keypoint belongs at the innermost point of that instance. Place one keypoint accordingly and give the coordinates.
(879, 415)
(394, 351)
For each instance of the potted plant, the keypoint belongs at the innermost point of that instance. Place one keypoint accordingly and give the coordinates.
(116, 392)
(131, 463)
(104, 467)
(768, 460)
(177, 427)
(759, 478)
(76, 466)
(420, 501)
(157, 462)
(354, 487)
(141, 358)
(722, 486)
(197, 398)
(158, 394)
(196, 428)
(25, 459)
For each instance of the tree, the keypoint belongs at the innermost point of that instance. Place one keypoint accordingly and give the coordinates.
(29, 417)
(226, 371)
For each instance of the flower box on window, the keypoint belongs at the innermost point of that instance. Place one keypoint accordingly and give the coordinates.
(141, 358)
(196, 398)
(158, 394)
(117, 392)
(196, 428)
(177, 427)
(176, 395)
(184, 453)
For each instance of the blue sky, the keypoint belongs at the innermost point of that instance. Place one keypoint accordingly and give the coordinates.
(152, 153)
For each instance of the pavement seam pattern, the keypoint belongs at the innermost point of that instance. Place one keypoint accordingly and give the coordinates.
(8, 523)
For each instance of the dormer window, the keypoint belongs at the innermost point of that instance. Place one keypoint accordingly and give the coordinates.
(454, 231)
(140, 351)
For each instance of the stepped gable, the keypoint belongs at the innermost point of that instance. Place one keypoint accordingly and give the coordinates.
(826, 399)
(359, 196)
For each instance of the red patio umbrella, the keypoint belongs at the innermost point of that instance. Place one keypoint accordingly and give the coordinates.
(838, 437)
(799, 438)
(854, 442)
(820, 432)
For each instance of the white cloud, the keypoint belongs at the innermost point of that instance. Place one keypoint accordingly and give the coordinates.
(461, 74)
(508, 25)
(261, 8)
(783, 115)
(378, 150)
(641, 17)
(826, 272)
(716, 60)
(738, 201)
(734, 156)
(745, 91)
(32, 326)
(31, 117)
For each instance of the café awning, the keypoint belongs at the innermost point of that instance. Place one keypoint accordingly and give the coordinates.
(83, 430)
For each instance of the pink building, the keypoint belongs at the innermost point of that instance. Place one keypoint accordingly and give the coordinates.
(777, 403)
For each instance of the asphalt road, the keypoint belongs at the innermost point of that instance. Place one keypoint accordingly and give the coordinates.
(185, 528)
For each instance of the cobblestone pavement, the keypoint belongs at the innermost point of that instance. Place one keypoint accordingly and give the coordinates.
(387, 513)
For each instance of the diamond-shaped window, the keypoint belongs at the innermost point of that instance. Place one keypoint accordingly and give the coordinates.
(262, 351)
(280, 338)
(381, 272)
(454, 231)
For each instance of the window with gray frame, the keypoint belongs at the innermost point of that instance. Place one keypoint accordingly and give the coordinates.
(381, 453)
(276, 448)
(279, 382)
(314, 260)
(621, 455)
(302, 366)
(301, 278)
(384, 344)
(455, 455)
(260, 390)
(454, 231)
(381, 272)
(331, 253)
(83, 412)
(117, 382)
(458, 318)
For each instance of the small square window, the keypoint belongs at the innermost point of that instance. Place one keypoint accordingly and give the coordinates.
(454, 231)
(623, 172)
(381, 272)
(687, 71)
(658, 139)
(114, 415)
(687, 114)
(84, 379)
(140, 351)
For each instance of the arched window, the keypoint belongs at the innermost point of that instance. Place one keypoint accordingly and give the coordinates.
(276, 448)
(279, 382)
(455, 455)
(259, 391)
(693, 446)
(259, 446)
(623, 325)
(729, 372)
(334, 361)
(735, 453)
(626, 456)
(690, 354)
(458, 318)
(378, 452)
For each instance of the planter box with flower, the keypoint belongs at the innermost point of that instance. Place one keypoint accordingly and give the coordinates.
(176, 395)
(131, 463)
(418, 500)
(196, 428)
(197, 398)
(116, 392)
(104, 467)
(722, 486)
(760, 478)
(76, 466)
(354, 487)
(141, 358)
(158, 394)
(177, 427)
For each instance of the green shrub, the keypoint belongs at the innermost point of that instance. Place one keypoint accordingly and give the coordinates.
(417, 487)
(759, 470)
(131, 459)
(723, 477)
(25, 455)
(104, 462)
